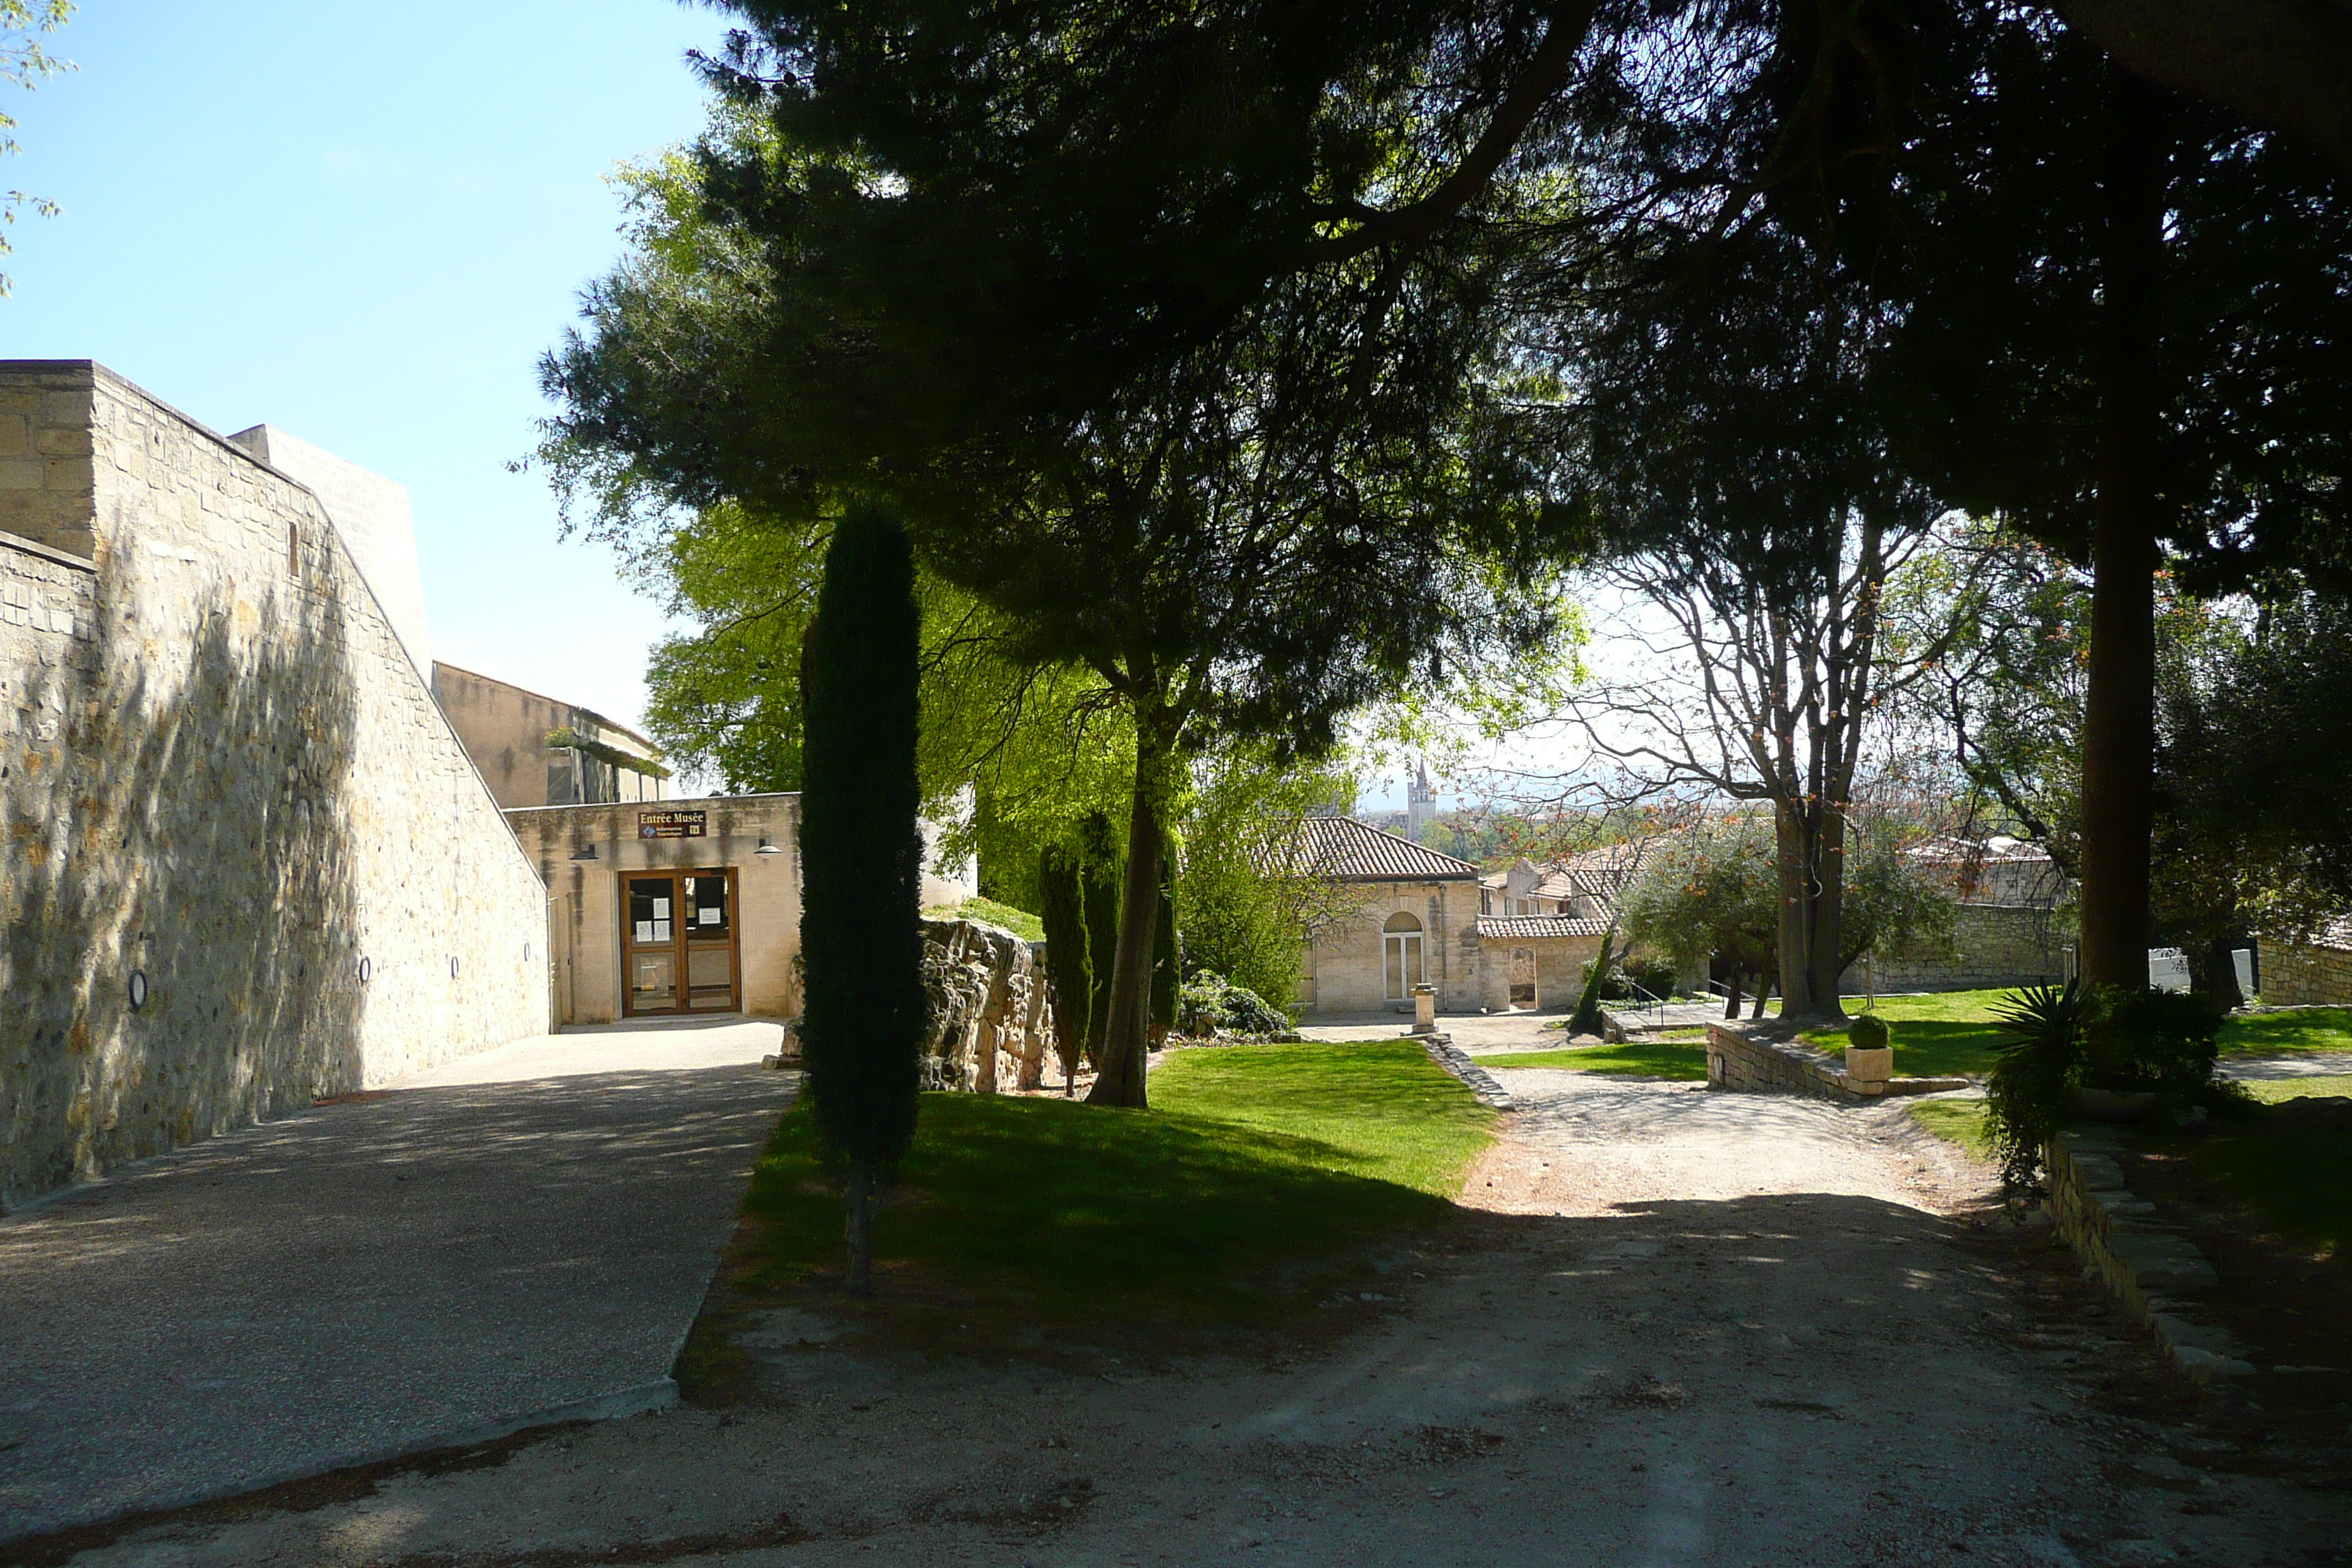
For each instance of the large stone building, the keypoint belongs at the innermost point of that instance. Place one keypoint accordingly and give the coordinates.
(538, 750)
(1408, 916)
(248, 862)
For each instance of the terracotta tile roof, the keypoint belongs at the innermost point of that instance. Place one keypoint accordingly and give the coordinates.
(1527, 928)
(1346, 850)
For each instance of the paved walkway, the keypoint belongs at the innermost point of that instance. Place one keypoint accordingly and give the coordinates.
(524, 1234)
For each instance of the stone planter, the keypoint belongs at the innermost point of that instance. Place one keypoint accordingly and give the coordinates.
(1865, 1065)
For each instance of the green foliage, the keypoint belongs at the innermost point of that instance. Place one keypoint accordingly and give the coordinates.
(1208, 1004)
(1069, 960)
(1259, 1177)
(1870, 1032)
(1167, 955)
(1243, 905)
(2039, 1062)
(2144, 1039)
(23, 63)
(1709, 894)
(865, 1010)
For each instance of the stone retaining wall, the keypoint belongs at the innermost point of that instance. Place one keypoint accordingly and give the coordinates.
(2156, 1276)
(1993, 946)
(992, 1021)
(2301, 976)
(1739, 1058)
(220, 772)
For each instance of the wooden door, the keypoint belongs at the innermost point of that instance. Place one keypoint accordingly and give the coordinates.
(679, 943)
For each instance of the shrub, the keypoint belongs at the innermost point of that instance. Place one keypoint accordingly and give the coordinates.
(2025, 1094)
(1653, 972)
(1209, 1003)
(1870, 1032)
(2161, 1040)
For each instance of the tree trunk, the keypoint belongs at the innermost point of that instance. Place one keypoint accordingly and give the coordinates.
(1829, 912)
(2118, 721)
(861, 1228)
(1797, 852)
(1120, 1075)
(1731, 1002)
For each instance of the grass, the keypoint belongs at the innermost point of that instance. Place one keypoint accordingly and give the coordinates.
(1943, 1035)
(2271, 1090)
(1641, 1058)
(1953, 1032)
(1260, 1176)
(2301, 1177)
(2293, 1029)
(1020, 922)
(1960, 1121)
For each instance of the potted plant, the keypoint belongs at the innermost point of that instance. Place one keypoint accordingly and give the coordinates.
(1869, 1050)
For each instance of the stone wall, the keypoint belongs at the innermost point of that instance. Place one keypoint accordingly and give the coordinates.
(1994, 946)
(1344, 971)
(1743, 1058)
(991, 1019)
(2298, 976)
(219, 772)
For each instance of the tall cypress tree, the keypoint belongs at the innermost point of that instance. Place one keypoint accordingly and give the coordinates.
(862, 859)
(1062, 909)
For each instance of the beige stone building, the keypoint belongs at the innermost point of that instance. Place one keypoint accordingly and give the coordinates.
(1409, 916)
(538, 750)
(247, 863)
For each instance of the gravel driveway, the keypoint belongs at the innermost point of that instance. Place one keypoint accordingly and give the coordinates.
(1677, 1328)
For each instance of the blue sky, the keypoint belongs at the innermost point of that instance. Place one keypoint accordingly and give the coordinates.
(362, 224)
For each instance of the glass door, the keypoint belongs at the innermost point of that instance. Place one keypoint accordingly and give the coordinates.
(707, 900)
(677, 943)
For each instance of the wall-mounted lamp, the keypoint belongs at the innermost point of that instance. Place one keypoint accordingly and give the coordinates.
(767, 848)
(585, 852)
(367, 971)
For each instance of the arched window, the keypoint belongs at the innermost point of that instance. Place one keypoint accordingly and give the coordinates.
(1401, 939)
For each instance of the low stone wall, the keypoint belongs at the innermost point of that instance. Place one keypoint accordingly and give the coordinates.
(2302, 977)
(1740, 1057)
(2156, 1276)
(992, 1022)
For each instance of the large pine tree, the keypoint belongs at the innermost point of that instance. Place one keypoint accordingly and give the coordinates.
(863, 1023)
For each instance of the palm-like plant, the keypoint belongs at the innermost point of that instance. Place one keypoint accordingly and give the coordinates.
(2041, 1060)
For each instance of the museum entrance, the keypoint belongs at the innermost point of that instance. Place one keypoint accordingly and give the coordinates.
(677, 943)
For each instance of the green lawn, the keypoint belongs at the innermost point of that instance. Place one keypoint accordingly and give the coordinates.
(1642, 1058)
(2271, 1090)
(1020, 922)
(2293, 1029)
(1953, 1032)
(1960, 1121)
(1260, 1176)
(2301, 1177)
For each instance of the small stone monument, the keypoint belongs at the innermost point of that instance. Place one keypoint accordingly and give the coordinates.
(2168, 969)
(1424, 1009)
(2242, 959)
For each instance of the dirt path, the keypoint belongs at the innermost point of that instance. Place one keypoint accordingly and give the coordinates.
(1687, 1329)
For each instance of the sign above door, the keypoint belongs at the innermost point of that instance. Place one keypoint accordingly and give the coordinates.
(670, 825)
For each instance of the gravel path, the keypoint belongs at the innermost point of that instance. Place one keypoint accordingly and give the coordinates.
(1688, 1329)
